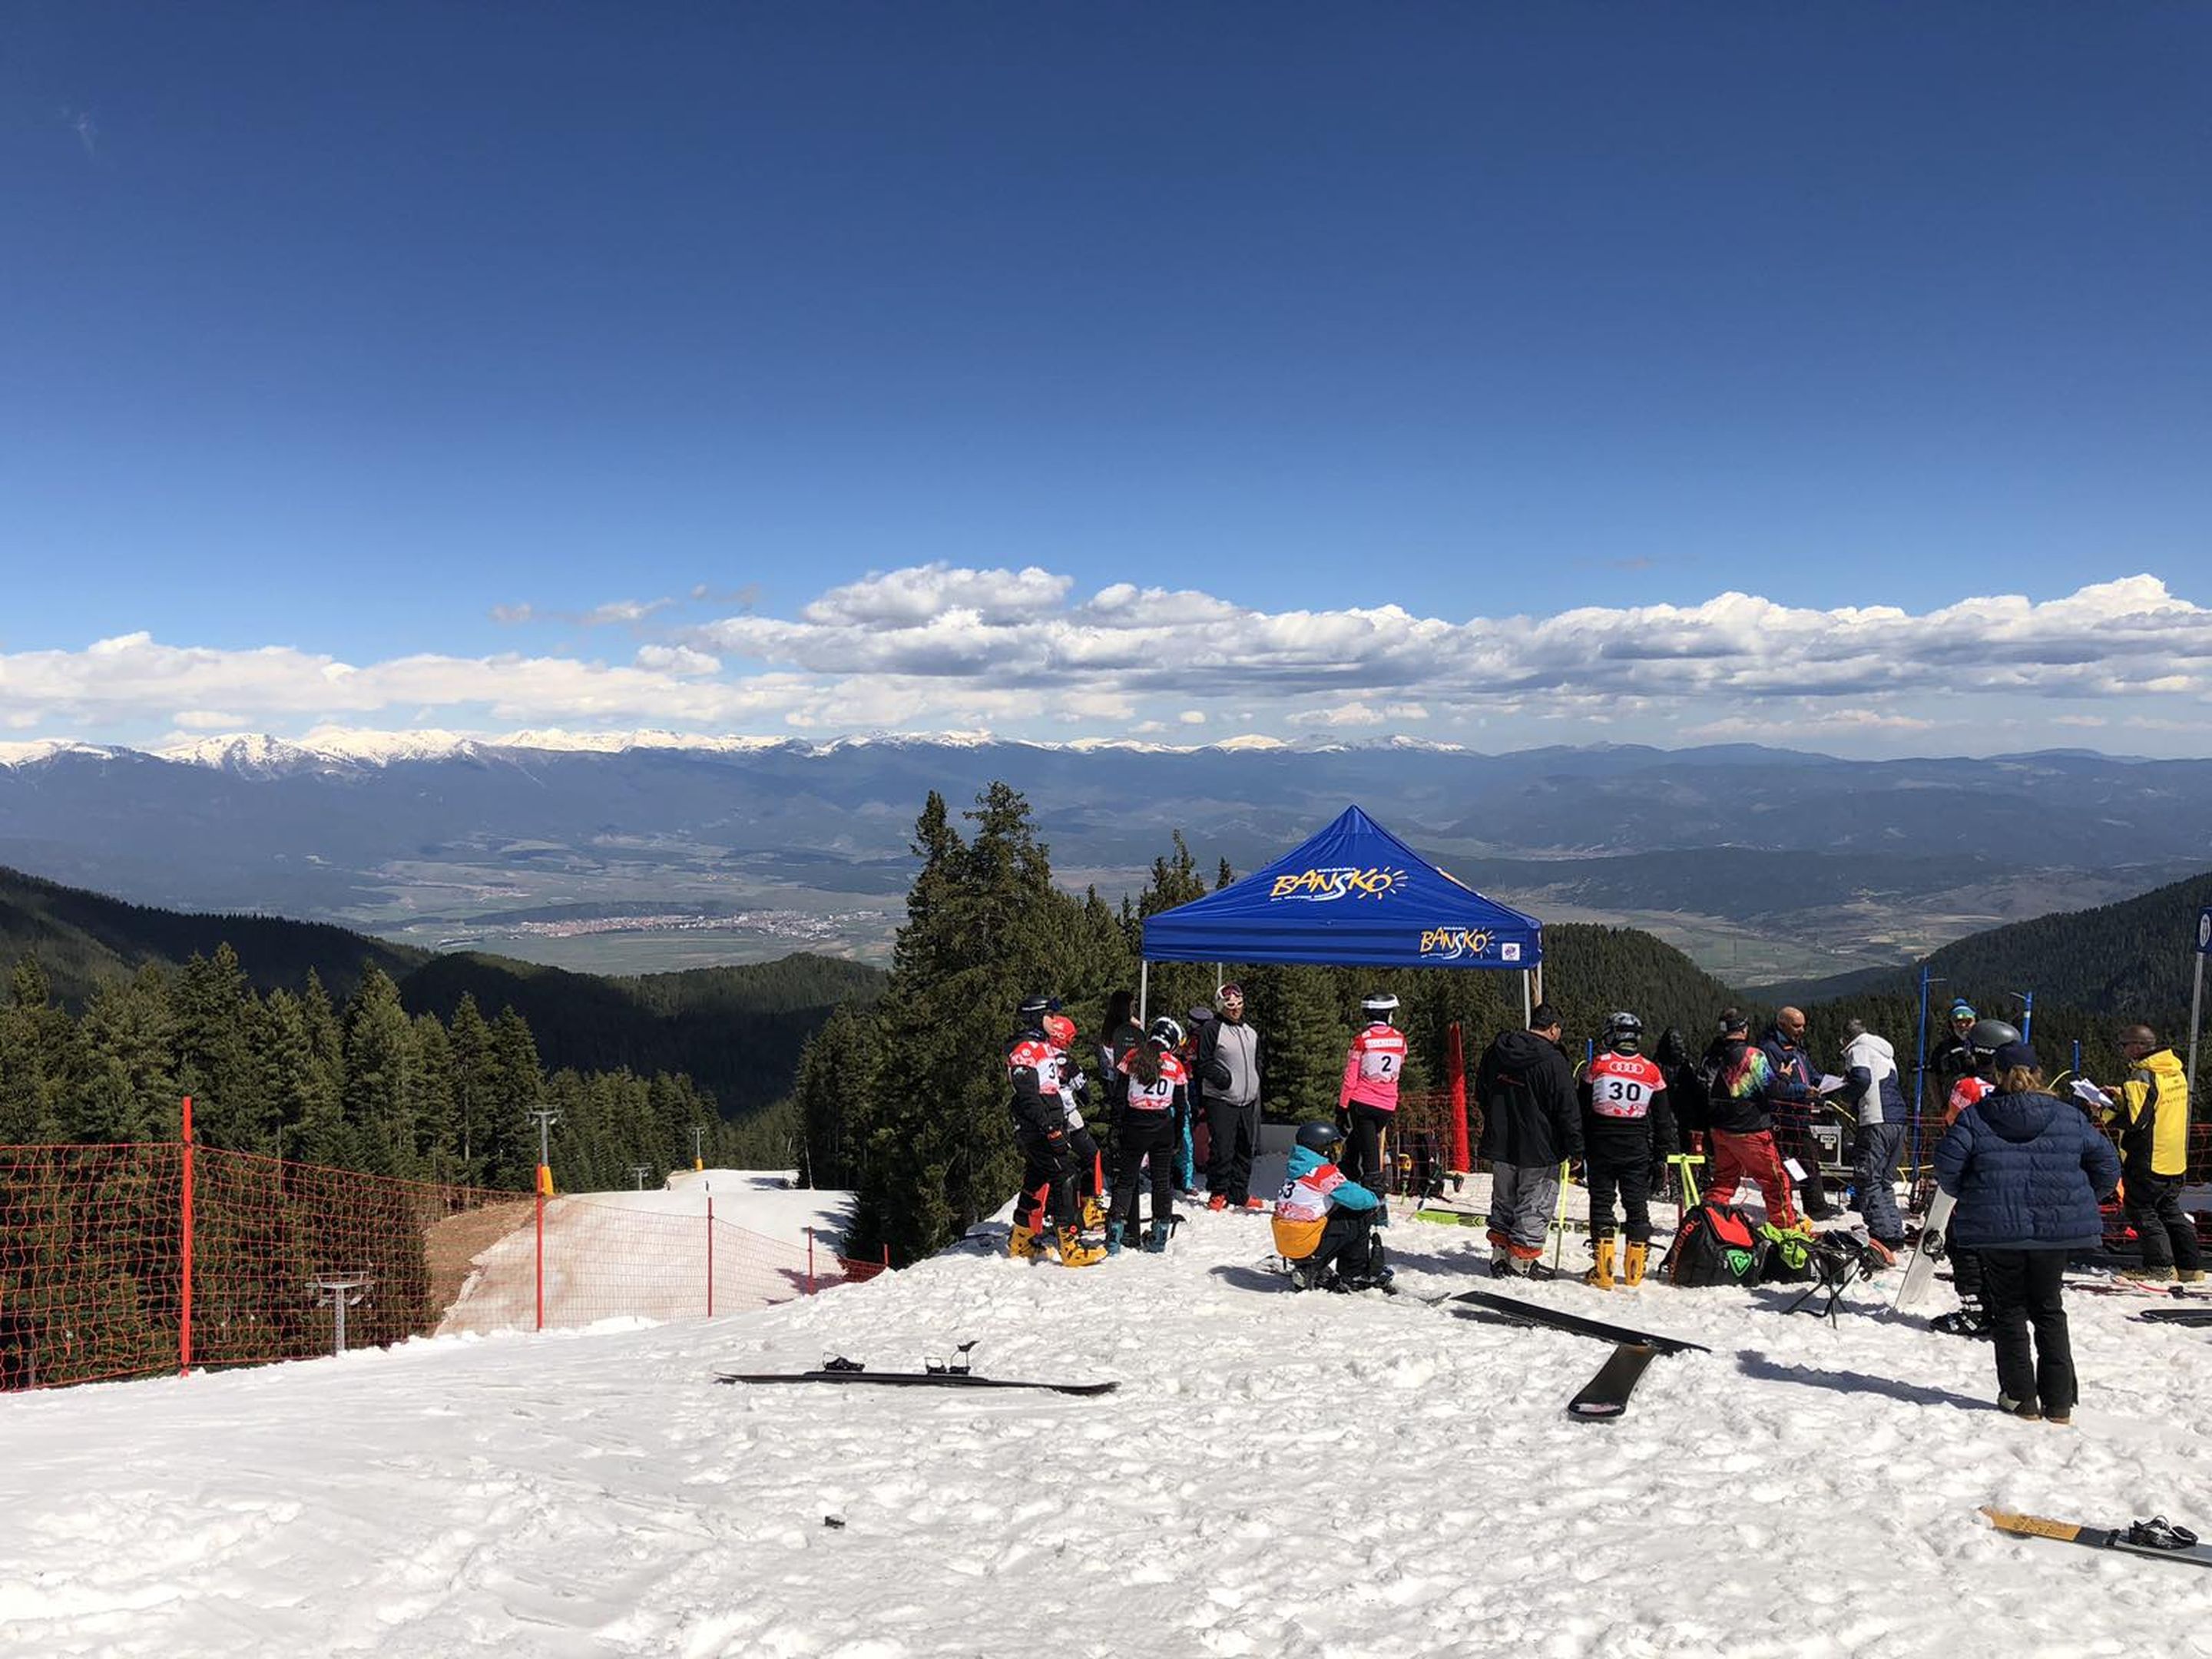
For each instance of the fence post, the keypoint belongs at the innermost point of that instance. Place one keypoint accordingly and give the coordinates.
(541, 1255)
(887, 1258)
(185, 1268)
(810, 1261)
(710, 1255)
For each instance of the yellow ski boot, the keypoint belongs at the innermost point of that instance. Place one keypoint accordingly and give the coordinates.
(1602, 1275)
(1023, 1245)
(1632, 1264)
(1075, 1253)
(1094, 1217)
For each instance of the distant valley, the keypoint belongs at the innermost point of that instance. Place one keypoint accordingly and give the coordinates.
(653, 853)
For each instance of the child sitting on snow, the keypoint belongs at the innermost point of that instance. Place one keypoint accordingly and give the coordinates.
(1323, 1221)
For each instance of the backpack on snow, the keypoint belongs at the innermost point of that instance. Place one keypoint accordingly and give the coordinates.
(1788, 1256)
(1716, 1244)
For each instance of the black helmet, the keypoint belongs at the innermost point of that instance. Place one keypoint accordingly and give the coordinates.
(1036, 1007)
(1624, 1033)
(1165, 1032)
(1381, 1006)
(1989, 1036)
(1318, 1138)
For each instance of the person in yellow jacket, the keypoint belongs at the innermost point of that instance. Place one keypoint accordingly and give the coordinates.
(2152, 1108)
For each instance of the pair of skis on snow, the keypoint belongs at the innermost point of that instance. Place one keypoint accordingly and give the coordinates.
(952, 1374)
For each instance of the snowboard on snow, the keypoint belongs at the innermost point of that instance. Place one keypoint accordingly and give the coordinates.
(2157, 1536)
(1606, 1395)
(1928, 1249)
(1530, 1313)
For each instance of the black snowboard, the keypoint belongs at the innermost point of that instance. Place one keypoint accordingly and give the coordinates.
(1531, 1313)
(2177, 1315)
(1606, 1395)
(914, 1379)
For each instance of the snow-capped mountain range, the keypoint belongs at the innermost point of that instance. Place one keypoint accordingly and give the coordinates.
(257, 754)
(440, 838)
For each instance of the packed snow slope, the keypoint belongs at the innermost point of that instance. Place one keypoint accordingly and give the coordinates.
(1298, 1476)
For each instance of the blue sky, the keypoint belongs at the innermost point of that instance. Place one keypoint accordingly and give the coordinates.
(404, 340)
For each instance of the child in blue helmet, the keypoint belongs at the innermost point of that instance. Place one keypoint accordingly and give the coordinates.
(1325, 1223)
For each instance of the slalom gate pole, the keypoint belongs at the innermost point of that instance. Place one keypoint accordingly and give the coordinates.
(2196, 994)
(185, 1250)
(710, 1255)
(810, 1261)
(1455, 1068)
(1559, 1219)
(1919, 1075)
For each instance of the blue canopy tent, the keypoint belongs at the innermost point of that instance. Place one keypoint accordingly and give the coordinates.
(1354, 896)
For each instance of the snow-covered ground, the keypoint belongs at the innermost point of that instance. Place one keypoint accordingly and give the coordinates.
(1285, 1475)
(645, 1253)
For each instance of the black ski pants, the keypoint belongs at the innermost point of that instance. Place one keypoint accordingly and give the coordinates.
(1088, 1164)
(2021, 1288)
(1234, 1131)
(1624, 1167)
(1364, 1140)
(1143, 1135)
(1793, 1139)
(1347, 1239)
(2163, 1228)
(1047, 1181)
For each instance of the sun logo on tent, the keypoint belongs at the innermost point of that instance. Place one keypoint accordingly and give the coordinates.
(1319, 886)
(1453, 943)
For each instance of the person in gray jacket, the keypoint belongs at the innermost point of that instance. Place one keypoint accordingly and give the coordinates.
(1231, 1057)
(1871, 1092)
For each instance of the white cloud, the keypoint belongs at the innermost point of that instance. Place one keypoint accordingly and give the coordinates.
(936, 646)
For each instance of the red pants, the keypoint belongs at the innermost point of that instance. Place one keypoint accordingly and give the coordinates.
(1739, 1158)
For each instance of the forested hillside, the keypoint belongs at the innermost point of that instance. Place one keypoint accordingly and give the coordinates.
(2131, 959)
(734, 1031)
(82, 940)
(360, 1083)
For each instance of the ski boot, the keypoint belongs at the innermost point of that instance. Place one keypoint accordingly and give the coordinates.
(1306, 1277)
(1501, 1254)
(1073, 1252)
(1093, 1217)
(1023, 1244)
(1113, 1238)
(1155, 1242)
(1631, 1263)
(1600, 1276)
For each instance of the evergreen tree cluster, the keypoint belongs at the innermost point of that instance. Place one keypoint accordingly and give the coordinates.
(359, 1084)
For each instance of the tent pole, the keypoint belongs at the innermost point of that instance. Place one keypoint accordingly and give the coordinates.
(1527, 997)
(1144, 996)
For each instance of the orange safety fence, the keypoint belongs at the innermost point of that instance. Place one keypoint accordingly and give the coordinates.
(128, 1259)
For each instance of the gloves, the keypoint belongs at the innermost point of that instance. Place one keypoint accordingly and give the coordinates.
(1343, 1123)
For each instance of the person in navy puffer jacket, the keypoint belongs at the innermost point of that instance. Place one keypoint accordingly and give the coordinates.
(2026, 1170)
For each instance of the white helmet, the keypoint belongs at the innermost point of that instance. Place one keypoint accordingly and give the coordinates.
(1381, 1006)
(1165, 1032)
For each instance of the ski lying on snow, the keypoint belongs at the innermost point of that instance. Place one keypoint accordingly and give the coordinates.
(2157, 1536)
(1606, 1395)
(2176, 1315)
(1531, 1313)
(914, 1379)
